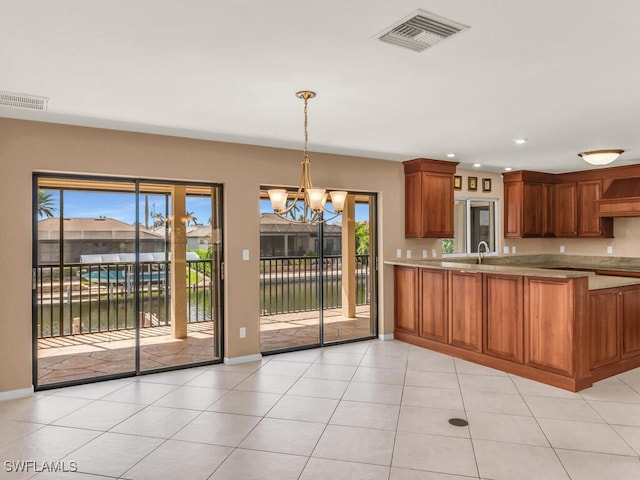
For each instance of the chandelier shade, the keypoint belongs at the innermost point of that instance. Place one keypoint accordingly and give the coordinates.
(313, 200)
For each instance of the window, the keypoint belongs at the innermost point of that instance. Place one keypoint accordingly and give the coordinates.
(474, 221)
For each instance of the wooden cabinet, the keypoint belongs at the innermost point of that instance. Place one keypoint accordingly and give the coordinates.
(566, 210)
(589, 224)
(433, 305)
(630, 321)
(529, 205)
(549, 332)
(465, 296)
(503, 322)
(406, 298)
(429, 198)
(614, 325)
(604, 327)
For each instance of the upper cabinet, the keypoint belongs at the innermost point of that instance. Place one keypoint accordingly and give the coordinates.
(538, 204)
(529, 199)
(429, 198)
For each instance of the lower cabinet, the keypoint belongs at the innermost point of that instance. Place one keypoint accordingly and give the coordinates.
(433, 305)
(465, 293)
(503, 327)
(630, 321)
(406, 298)
(549, 332)
(604, 327)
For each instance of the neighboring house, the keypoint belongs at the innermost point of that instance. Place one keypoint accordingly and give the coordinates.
(92, 236)
(281, 238)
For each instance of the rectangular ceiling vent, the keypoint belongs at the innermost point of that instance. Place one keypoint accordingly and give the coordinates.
(23, 100)
(420, 30)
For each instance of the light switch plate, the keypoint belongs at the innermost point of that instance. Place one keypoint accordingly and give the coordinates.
(434, 252)
(505, 250)
(424, 254)
(243, 332)
(408, 253)
(561, 248)
(399, 253)
(245, 255)
(609, 250)
(513, 249)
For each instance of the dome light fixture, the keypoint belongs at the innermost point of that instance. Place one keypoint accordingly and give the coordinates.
(313, 199)
(600, 157)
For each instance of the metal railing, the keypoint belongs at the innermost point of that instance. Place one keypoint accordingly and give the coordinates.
(92, 298)
(291, 284)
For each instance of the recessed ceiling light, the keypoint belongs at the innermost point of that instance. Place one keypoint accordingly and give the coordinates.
(477, 165)
(451, 155)
(507, 169)
(519, 141)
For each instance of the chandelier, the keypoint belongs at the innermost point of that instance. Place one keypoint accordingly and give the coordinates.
(313, 199)
(600, 157)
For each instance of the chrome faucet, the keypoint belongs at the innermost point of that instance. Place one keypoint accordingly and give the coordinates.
(480, 253)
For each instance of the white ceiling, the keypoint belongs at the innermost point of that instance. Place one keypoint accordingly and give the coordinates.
(565, 74)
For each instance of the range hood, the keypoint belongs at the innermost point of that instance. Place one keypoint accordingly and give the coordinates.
(621, 199)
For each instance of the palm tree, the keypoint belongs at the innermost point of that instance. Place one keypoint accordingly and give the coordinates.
(158, 220)
(191, 218)
(45, 204)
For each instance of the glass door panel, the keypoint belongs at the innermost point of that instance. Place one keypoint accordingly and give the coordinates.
(178, 281)
(84, 307)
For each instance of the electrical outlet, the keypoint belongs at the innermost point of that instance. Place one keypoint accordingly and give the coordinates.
(505, 250)
(609, 250)
(561, 248)
(408, 253)
(399, 253)
(424, 254)
(243, 332)
(434, 253)
(513, 249)
(245, 255)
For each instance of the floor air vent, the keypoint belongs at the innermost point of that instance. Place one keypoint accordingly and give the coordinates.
(23, 100)
(421, 30)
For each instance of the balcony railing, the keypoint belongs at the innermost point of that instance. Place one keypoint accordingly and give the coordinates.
(291, 284)
(91, 298)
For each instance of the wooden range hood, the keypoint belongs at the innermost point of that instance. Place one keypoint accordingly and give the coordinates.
(621, 199)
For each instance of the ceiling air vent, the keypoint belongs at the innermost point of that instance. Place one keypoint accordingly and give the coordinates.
(23, 100)
(420, 30)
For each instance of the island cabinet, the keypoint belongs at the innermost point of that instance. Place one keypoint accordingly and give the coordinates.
(503, 328)
(429, 198)
(614, 328)
(465, 294)
(407, 299)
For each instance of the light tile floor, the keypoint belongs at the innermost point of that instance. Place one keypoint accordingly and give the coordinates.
(369, 410)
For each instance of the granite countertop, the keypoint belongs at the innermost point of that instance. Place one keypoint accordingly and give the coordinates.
(535, 267)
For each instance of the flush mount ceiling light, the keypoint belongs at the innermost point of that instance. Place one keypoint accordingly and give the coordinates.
(477, 165)
(307, 202)
(519, 141)
(600, 157)
(507, 169)
(451, 155)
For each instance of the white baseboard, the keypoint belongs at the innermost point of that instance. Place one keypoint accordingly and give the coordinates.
(20, 393)
(386, 336)
(256, 357)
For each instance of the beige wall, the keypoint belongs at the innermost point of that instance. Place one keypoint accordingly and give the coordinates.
(27, 147)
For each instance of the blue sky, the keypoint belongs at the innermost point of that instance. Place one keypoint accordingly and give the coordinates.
(121, 206)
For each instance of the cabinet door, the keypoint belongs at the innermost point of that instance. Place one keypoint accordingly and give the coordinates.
(406, 298)
(413, 205)
(630, 319)
(532, 202)
(503, 332)
(566, 210)
(589, 224)
(549, 210)
(513, 209)
(604, 329)
(549, 313)
(465, 293)
(433, 313)
(437, 205)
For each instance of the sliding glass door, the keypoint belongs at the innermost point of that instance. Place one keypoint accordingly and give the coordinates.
(126, 279)
(317, 280)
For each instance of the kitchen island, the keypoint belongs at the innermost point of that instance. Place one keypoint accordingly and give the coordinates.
(566, 328)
